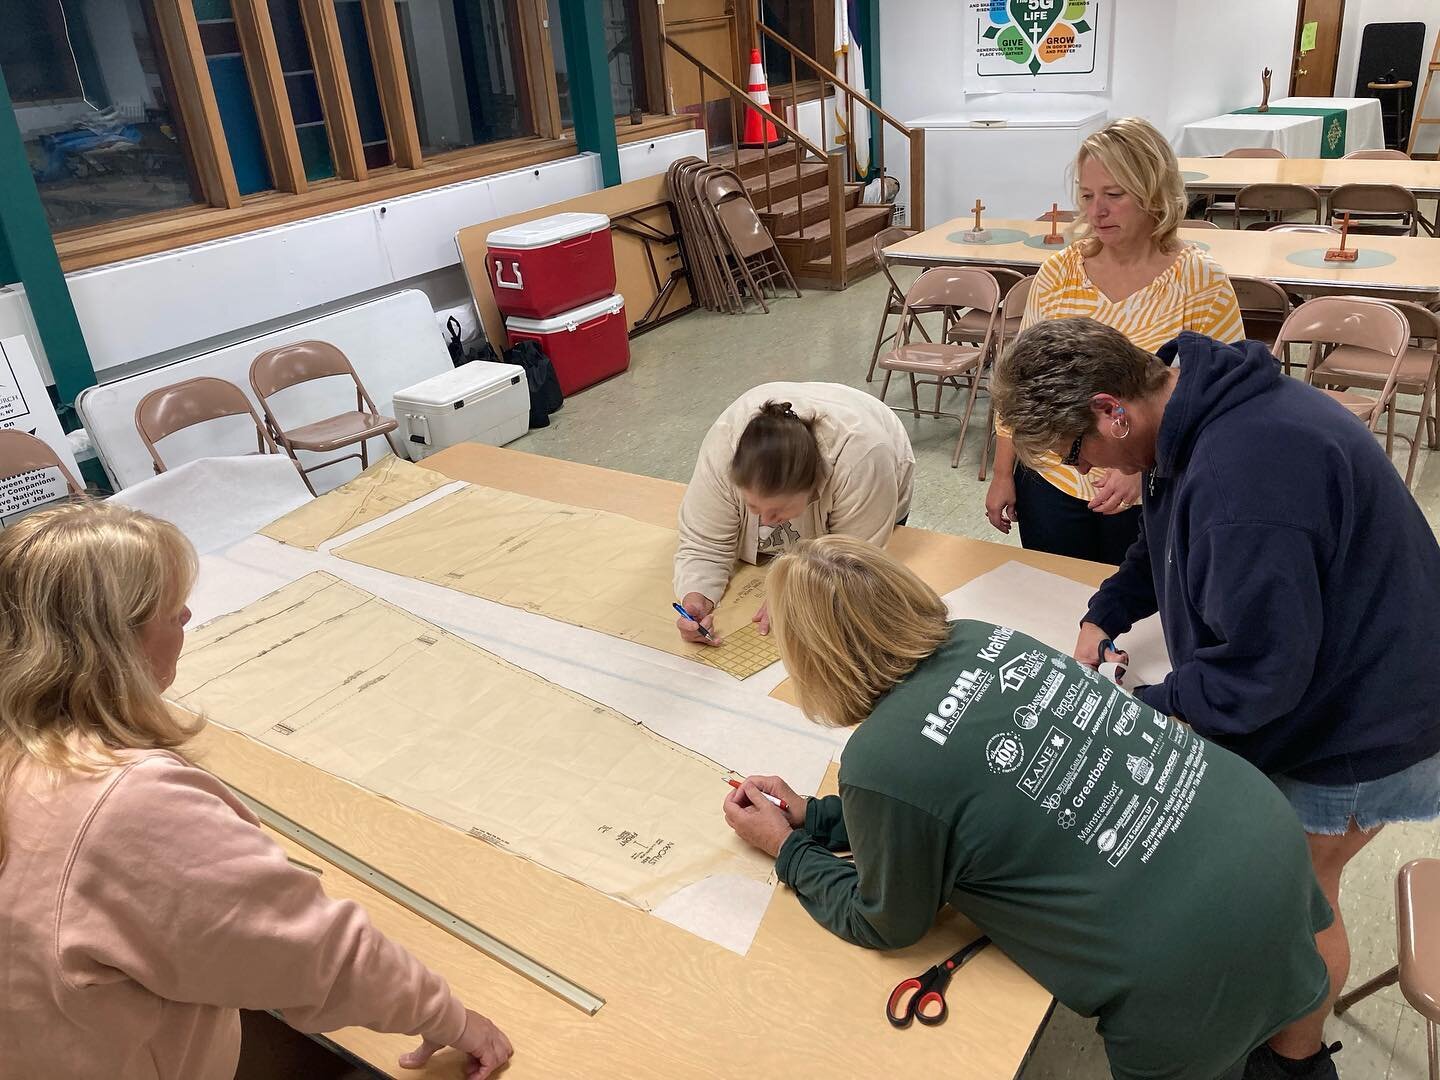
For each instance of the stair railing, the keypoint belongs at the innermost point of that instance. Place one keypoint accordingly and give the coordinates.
(835, 161)
(914, 136)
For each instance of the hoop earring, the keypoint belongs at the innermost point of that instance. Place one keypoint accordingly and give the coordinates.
(1120, 428)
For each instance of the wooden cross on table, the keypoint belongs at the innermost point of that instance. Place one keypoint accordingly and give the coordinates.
(1342, 253)
(1053, 236)
(978, 207)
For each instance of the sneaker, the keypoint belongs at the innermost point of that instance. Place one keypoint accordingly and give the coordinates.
(1266, 1064)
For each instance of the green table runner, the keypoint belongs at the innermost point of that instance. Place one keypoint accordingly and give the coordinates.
(1332, 127)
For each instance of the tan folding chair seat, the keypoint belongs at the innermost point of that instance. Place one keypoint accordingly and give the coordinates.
(1376, 209)
(182, 405)
(21, 453)
(1377, 155)
(1417, 926)
(279, 369)
(895, 298)
(1197, 223)
(972, 326)
(1346, 367)
(1275, 201)
(945, 289)
(1363, 327)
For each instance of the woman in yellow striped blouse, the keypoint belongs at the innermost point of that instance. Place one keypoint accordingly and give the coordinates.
(1128, 269)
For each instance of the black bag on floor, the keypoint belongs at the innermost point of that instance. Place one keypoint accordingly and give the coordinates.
(545, 393)
(464, 350)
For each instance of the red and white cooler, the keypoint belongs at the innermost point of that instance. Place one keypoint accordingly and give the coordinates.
(558, 263)
(586, 345)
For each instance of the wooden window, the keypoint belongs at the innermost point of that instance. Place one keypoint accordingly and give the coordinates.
(93, 98)
(171, 122)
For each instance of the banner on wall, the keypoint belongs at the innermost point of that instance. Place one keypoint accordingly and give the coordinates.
(1046, 45)
(24, 404)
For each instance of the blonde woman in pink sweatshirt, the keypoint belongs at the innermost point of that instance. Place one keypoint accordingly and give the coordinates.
(140, 904)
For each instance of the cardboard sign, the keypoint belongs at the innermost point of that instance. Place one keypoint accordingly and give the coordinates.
(25, 404)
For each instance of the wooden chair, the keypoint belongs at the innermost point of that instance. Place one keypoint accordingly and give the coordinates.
(1416, 375)
(1274, 201)
(169, 409)
(945, 289)
(1417, 924)
(895, 299)
(1352, 332)
(21, 453)
(279, 369)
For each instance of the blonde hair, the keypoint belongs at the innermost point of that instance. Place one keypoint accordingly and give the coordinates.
(77, 584)
(851, 622)
(1144, 166)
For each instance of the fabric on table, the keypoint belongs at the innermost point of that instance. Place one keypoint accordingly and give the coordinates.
(1332, 126)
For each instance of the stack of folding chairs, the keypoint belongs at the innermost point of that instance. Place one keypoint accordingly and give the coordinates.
(732, 256)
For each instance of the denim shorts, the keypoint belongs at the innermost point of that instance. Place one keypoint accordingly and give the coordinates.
(1412, 794)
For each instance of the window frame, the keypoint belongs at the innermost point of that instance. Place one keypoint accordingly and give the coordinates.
(224, 212)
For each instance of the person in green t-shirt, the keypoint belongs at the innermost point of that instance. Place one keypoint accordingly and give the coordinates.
(1142, 875)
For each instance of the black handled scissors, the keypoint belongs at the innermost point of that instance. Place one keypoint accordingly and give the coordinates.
(923, 996)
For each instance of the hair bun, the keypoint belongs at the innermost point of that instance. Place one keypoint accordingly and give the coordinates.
(779, 409)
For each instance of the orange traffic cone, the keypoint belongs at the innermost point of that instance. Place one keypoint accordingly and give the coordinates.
(759, 128)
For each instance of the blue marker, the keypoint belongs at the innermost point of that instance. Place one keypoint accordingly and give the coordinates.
(686, 615)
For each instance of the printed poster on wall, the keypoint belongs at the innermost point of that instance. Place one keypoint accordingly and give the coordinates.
(24, 404)
(1044, 45)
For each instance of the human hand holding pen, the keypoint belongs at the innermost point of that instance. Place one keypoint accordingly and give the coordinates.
(759, 822)
(696, 621)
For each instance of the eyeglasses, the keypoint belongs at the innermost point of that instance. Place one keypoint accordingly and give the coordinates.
(1073, 457)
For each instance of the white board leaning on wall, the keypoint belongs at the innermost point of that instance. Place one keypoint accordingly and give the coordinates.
(25, 404)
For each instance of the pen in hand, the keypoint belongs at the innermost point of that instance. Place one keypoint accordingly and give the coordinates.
(781, 803)
(705, 633)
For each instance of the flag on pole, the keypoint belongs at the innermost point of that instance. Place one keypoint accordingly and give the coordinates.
(850, 68)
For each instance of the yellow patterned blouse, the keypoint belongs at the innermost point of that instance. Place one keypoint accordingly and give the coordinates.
(1193, 294)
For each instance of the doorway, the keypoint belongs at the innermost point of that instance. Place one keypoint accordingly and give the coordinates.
(1317, 48)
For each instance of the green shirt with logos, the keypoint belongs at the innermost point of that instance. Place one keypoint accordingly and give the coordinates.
(1139, 873)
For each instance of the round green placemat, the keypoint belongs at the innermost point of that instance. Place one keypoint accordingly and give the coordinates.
(1191, 177)
(997, 236)
(1315, 259)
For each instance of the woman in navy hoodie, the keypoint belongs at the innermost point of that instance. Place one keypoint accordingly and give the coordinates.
(1297, 582)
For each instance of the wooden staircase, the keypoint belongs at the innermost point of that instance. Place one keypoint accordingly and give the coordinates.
(804, 236)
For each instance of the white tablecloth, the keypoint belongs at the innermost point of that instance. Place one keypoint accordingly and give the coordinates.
(1364, 129)
(1295, 136)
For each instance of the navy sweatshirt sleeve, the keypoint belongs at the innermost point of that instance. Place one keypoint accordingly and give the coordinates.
(1128, 595)
(1264, 628)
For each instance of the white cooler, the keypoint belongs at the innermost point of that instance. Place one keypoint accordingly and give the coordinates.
(478, 402)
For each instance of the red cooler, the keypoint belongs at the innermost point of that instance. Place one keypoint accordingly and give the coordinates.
(540, 268)
(585, 345)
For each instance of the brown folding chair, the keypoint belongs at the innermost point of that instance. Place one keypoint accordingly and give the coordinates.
(972, 326)
(1351, 331)
(1254, 152)
(1377, 155)
(1377, 209)
(1416, 376)
(895, 298)
(945, 289)
(757, 258)
(1264, 307)
(1417, 926)
(1012, 313)
(279, 369)
(1197, 223)
(21, 453)
(174, 408)
(1274, 201)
